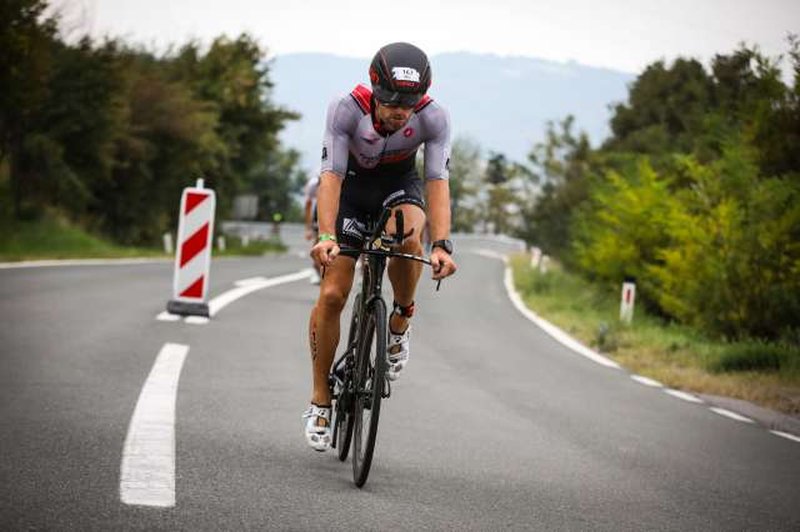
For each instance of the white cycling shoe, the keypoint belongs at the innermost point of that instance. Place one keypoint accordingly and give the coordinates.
(318, 427)
(397, 353)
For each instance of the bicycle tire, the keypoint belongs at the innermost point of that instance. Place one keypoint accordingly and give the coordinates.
(369, 383)
(343, 422)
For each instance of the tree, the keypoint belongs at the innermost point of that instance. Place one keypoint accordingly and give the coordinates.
(665, 109)
(26, 39)
(234, 77)
(563, 162)
(466, 174)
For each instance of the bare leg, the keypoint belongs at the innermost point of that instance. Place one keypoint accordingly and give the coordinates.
(323, 327)
(404, 274)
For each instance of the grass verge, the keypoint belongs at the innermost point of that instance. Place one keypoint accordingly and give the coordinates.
(677, 356)
(52, 237)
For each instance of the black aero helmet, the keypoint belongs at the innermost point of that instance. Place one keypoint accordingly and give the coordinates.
(400, 74)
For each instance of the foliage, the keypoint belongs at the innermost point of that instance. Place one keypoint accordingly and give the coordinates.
(732, 265)
(465, 184)
(110, 134)
(563, 164)
(696, 194)
(621, 230)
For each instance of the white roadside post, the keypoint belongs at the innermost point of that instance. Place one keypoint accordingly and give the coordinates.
(245, 240)
(221, 243)
(543, 264)
(168, 248)
(193, 254)
(536, 256)
(628, 298)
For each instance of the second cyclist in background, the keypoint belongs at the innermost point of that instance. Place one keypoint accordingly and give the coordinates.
(310, 218)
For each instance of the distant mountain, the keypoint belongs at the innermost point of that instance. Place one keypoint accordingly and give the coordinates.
(501, 102)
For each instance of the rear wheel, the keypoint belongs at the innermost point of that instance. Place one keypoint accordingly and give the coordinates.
(370, 370)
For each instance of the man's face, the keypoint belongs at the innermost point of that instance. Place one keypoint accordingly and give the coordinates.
(392, 117)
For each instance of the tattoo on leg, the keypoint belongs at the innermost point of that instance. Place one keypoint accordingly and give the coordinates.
(313, 337)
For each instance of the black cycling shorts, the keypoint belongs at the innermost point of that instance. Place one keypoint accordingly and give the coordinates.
(366, 194)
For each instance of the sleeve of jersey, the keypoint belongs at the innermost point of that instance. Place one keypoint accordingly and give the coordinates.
(336, 139)
(437, 148)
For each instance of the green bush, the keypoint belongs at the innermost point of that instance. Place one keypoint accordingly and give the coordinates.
(732, 263)
(623, 227)
(756, 356)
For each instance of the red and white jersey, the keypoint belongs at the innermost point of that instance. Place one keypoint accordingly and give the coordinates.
(352, 140)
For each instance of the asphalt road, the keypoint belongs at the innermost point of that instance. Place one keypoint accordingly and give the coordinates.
(494, 424)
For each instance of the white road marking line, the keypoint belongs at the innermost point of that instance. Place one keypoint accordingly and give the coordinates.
(647, 381)
(168, 316)
(148, 459)
(786, 435)
(243, 287)
(551, 329)
(79, 262)
(579, 348)
(250, 280)
(225, 299)
(731, 415)
(488, 253)
(685, 396)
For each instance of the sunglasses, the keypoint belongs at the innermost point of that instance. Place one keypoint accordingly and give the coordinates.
(395, 99)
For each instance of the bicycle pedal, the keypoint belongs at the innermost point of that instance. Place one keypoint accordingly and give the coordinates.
(387, 389)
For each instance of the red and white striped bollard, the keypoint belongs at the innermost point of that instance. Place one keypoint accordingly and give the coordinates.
(193, 254)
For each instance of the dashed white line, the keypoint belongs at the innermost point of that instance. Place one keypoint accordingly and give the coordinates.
(731, 415)
(147, 474)
(786, 435)
(579, 348)
(683, 395)
(647, 381)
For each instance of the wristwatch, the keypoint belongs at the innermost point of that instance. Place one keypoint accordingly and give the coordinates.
(446, 245)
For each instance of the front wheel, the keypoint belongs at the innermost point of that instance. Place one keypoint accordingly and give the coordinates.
(370, 371)
(343, 421)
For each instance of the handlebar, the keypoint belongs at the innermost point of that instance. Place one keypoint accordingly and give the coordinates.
(370, 248)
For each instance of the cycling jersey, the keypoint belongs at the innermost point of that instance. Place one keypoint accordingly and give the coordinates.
(379, 169)
(353, 140)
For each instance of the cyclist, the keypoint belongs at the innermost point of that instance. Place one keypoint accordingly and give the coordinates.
(310, 211)
(369, 163)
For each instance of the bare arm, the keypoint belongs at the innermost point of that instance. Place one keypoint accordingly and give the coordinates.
(438, 192)
(326, 250)
(330, 187)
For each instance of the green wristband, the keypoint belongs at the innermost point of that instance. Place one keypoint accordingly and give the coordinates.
(326, 236)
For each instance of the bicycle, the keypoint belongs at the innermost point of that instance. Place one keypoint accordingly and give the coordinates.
(358, 377)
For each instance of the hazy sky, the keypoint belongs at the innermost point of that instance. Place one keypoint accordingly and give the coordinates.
(620, 34)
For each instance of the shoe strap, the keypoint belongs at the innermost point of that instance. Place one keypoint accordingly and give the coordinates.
(318, 411)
